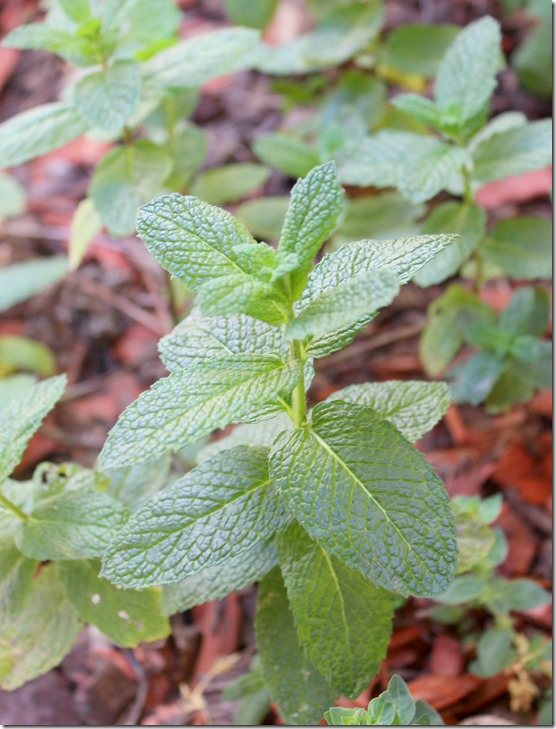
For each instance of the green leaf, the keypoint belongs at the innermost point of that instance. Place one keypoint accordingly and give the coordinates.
(133, 485)
(528, 312)
(475, 378)
(315, 204)
(344, 304)
(413, 407)
(194, 62)
(21, 281)
(126, 616)
(16, 574)
(76, 10)
(107, 98)
(430, 170)
(286, 153)
(420, 108)
(343, 621)
(520, 247)
(463, 589)
(300, 691)
(469, 222)
(368, 498)
(220, 509)
(22, 353)
(85, 225)
(13, 386)
(448, 318)
(402, 700)
(264, 217)
(402, 257)
(37, 638)
(417, 49)
(494, 652)
(21, 417)
(70, 525)
(44, 37)
(338, 716)
(257, 434)
(340, 35)
(533, 58)
(188, 148)
(521, 594)
(189, 404)
(214, 583)
(466, 77)
(222, 185)
(13, 200)
(512, 152)
(125, 179)
(425, 715)
(250, 14)
(38, 131)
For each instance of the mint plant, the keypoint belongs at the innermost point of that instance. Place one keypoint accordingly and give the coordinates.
(139, 87)
(55, 528)
(334, 502)
(394, 707)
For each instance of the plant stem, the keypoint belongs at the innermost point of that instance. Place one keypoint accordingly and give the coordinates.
(467, 190)
(13, 508)
(298, 400)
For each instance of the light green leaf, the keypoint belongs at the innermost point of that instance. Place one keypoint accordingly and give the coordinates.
(420, 108)
(494, 652)
(521, 594)
(467, 74)
(345, 304)
(107, 98)
(474, 379)
(286, 153)
(214, 583)
(188, 148)
(301, 692)
(512, 152)
(21, 417)
(417, 49)
(463, 589)
(413, 407)
(198, 338)
(85, 225)
(126, 616)
(22, 353)
(16, 574)
(315, 204)
(343, 621)
(469, 222)
(368, 498)
(76, 10)
(430, 170)
(533, 58)
(70, 525)
(12, 386)
(520, 247)
(194, 62)
(264, 217)
(21, 281)
(220, 509)
(125, 179)
(133, 485)
(189, 404)
(256, 434)
(38, 131)
(37, 638)
(528, 312)
(251, 14)
(388, 215)
(222, 185)
(13, 200)
(402, 257)
(425, 715)
(44, 37)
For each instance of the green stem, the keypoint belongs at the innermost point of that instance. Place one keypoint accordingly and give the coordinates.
(299, 404)
(13, 508)
(467, 189)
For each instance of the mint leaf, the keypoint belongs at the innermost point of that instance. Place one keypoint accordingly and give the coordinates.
(107, 98)
(133, 485)
(286, 153)
(22, 417)
(315, 204)
(360, 296)
(188, 148)
(70, 525)
(416, 49)
(368, 498)
(343, 621)
(467, 74)
(126, 616)
(527, 313)
(430, 169)
(512, 152)
(125, 179)
(45, 37)
(419, 107)
(301, 692)
(37, 638)
(469, 222)
(413, 407)
(252, 15)
(520, 247)
(256, 434)
(193, 402)
(38, 131)
(264, 217)
(219, 510)
(494, 652)
(214, 583)
(16, 574)
(21, 281)
(475, 378)
(229, 183)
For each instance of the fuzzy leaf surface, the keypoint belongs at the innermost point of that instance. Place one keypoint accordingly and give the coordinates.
(343, 621)
(106, 99)
(368, 498)
(214, 583)
(38, 131)
(193, 402)
(413, 407)
(219, 510)
(126, 616)
(301, 692)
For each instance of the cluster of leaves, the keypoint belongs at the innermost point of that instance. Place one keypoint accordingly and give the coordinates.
(138, 89)
(394, 707)
(513, 359)
(330, 511)
(54, 529)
